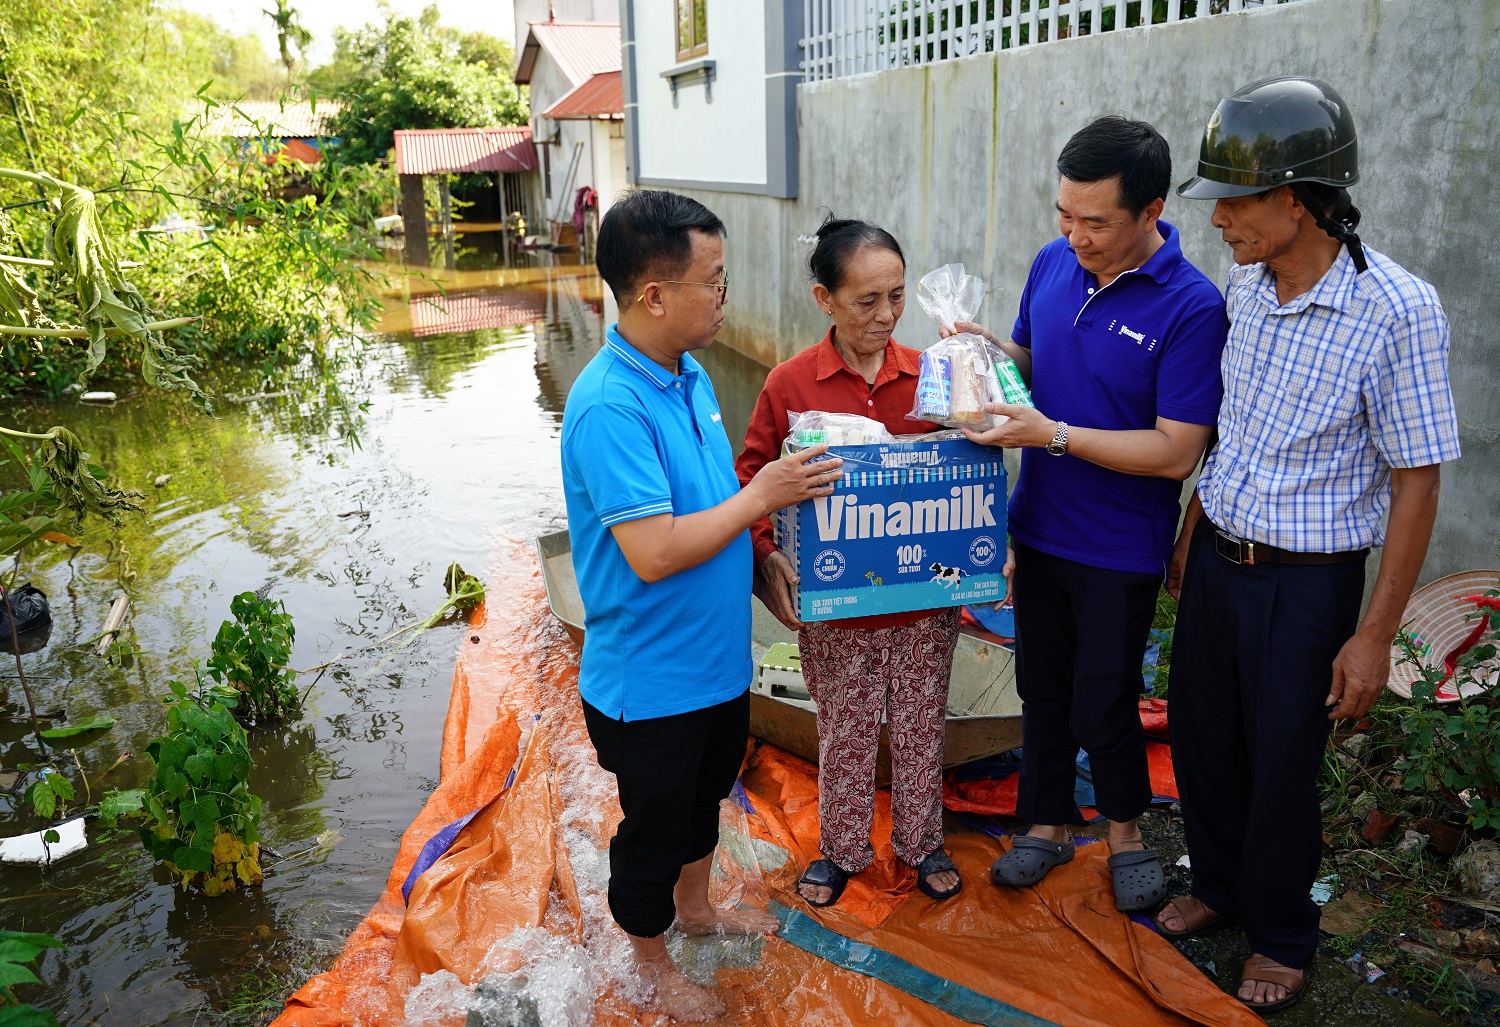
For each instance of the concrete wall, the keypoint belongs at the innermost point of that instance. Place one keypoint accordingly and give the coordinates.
(957, 160)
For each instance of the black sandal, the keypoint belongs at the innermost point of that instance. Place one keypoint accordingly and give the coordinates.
(936, 862)
(823, 873)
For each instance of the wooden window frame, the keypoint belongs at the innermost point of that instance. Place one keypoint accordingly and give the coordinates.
(695, 47)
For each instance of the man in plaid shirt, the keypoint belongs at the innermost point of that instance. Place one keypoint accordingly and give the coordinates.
(1336, 412)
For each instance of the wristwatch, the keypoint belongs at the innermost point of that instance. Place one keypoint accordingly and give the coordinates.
(1059, 444)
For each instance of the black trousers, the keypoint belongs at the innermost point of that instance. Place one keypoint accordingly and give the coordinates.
(671, 772)
(1081, 636)
(1252, 662)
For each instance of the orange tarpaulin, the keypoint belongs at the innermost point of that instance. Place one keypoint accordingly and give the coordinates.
(522, 886)
(997, 796)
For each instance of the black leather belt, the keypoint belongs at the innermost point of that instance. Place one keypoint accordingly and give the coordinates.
(1243, 551)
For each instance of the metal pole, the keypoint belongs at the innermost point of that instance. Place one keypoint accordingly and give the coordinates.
(447, 215)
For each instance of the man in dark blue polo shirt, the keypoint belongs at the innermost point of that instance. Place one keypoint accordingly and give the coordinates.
(1120, 337)
(661, 548)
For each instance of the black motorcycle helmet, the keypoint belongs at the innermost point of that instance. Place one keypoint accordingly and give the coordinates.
(1283, 131)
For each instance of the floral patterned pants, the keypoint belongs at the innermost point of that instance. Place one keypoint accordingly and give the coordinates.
(855, 675)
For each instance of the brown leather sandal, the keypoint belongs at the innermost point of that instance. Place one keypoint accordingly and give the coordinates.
(1265, 970)
(1198, 917)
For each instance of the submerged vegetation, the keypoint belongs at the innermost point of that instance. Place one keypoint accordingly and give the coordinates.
(139, 116)
(18, 951)
(200, 818)
(153, 232)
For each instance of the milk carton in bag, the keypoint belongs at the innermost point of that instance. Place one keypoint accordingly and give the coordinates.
(958, 375)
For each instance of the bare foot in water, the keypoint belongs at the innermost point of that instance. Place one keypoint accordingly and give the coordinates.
(677, 996)
(698, 923)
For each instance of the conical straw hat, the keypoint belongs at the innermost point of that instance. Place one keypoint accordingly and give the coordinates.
(1436, 614)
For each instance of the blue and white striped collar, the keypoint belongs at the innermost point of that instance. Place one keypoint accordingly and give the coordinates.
(658, 375)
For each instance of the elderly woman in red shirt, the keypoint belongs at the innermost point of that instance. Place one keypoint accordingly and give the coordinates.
(861, 667)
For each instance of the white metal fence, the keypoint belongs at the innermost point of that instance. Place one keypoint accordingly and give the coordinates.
(848, 37)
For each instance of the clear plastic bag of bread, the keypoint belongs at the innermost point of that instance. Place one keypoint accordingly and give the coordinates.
(957, 376)
(820, 428)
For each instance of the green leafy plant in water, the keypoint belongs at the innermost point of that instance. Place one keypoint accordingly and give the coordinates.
(1453, 748)
(74, 484)
(48, 795)
(465, 592)
(56, 734)
(250, 654)
(18, 951)
(201, 819)
(61, 487)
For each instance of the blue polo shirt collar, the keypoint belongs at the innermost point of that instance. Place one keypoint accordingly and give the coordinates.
(645, 366)
(1167, 258)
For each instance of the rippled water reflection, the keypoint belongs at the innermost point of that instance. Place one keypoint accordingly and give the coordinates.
(458, 451)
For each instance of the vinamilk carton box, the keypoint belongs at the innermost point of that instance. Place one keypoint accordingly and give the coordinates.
(910, 526)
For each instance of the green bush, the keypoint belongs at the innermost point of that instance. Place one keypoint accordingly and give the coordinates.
(250, 655)
(283, 263)
(1453, 748)
(200, 817)
(416, 73)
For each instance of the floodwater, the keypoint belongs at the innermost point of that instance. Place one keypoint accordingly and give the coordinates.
(457, 459)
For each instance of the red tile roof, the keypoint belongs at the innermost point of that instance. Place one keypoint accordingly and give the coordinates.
(580, 48)
(600, 97)
(426, 151)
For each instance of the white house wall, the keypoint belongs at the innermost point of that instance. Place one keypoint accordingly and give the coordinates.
(608, 167)
(723, 141)
(548, 85)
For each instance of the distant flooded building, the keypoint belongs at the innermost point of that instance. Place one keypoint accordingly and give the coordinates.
(577, 121)
(285, 131)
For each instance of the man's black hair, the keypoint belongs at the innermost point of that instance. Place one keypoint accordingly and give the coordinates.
(1325, 198)
(646, 234)
(1112, 146)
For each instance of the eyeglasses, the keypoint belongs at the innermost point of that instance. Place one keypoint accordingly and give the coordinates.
(722, 285)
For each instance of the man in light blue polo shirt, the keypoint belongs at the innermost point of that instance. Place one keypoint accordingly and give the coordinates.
(1121, 338)
(661, 548)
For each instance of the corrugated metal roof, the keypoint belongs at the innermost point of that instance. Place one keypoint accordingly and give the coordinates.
(428, 151)
(255, 119)
(580, 48)
(600, 97)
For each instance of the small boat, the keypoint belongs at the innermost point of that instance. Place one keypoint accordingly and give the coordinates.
(984, 711)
